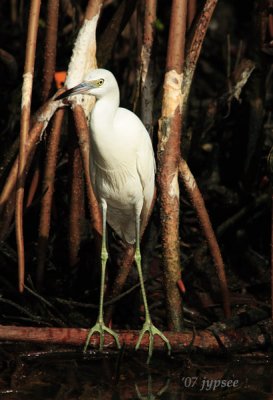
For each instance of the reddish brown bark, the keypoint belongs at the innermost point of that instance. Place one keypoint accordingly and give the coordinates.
(42, 117)
(168, 157)
(200, 208)
(167, 171)
(173, 110)
(34, 185)
(48, 190)
(194, 46)
(146, 72)
(84, 143)
(202, 342)
(76, 211)
(24, 130)
(93, 8)
(50, 46)
(176, 41)
(192, 6)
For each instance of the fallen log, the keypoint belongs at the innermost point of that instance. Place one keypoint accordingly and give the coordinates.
(206, 341)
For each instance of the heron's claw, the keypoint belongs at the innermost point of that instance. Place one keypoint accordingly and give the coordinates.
(100, 328)
(152, 331)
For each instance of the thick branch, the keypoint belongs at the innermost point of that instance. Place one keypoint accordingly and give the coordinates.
(84, 53)
(168, 157)
(202, 342)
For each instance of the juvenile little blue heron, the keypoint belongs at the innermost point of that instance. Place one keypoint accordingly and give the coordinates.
(123, 178)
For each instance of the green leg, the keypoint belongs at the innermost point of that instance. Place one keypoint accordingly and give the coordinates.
(100, 327)
(148, 326)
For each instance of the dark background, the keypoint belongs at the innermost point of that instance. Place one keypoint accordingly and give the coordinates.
(225, 141)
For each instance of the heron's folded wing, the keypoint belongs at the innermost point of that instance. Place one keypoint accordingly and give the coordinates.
(146, 169)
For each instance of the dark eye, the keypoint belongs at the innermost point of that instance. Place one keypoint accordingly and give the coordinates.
(100, 82)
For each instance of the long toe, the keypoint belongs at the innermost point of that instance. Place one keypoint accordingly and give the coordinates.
(152, 331)
(100, 328)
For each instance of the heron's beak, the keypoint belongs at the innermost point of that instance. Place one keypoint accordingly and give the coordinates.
(81, 88)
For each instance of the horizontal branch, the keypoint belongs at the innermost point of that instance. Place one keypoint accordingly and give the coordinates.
(203, 342)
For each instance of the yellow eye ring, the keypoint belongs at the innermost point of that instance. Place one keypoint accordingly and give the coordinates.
(100, 82)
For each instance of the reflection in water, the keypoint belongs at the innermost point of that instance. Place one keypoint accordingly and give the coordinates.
(150, 395)
(71, 376)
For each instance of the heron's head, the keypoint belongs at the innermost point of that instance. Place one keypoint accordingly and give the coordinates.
(98, 82)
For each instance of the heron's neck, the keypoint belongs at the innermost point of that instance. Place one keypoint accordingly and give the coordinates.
(103, 114)
(102, 128)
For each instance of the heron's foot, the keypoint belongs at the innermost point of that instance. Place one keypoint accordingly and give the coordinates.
(152, 331)
(100, 328)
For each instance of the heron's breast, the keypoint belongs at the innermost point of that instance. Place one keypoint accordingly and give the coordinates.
(119, 186)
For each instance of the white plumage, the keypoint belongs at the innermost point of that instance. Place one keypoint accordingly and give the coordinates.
(122, 159)
(122, 169)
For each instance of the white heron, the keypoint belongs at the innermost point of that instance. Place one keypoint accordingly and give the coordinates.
(123, 177)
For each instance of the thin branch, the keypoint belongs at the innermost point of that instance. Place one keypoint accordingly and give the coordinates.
(7, 216)
(24, 131)
(76, 209)
(73, 303)
(257, 202)
(147, 72)
(50, 46)
(10, 62)
(108, 38)
(34, 184)
(48, 190)
(82, 59)
(9, 157)
(192, 7)
(125, 265)
(42, 118)
(194, 46)
(200, 208)
(84, 143)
